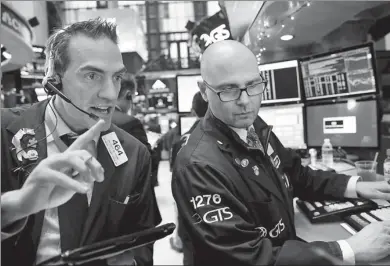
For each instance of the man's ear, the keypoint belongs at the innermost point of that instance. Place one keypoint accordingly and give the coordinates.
(202, 88)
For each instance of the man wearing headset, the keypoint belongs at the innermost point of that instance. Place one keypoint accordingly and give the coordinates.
(234, 182)
(50, 200)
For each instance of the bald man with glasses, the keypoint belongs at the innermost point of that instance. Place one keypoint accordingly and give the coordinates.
(234, 182)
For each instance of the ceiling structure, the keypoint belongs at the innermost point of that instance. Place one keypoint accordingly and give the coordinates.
(241, 15)
(316, 26)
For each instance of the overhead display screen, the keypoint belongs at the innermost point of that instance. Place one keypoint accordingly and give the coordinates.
(283, 82)
(348, 72)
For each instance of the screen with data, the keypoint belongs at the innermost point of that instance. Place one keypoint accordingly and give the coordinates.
(186, 122)
(287, 122)
(349, 124)
(283, 81)
(349, 72)
(187, 87)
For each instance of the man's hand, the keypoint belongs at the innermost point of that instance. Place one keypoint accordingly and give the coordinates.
(51, 183)
(373, 190)
(372, 243)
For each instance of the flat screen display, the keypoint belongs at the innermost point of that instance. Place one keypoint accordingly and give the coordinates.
(287, 122)
(349, 124)
(283, 82)
(187, 87)
(348, 72)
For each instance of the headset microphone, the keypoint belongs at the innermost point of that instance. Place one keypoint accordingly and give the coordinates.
(50, 87)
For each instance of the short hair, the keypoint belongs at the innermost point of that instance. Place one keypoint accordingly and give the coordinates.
(127, 84)
(199, 105)
(58, 43)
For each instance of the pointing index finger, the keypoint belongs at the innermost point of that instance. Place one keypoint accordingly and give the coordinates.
(88, 136)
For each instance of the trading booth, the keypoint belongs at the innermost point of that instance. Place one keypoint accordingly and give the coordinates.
(334, 95)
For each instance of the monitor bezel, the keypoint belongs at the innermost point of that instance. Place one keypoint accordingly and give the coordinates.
(369, 45)
(364, 98)
(299, 80)
(177, 90)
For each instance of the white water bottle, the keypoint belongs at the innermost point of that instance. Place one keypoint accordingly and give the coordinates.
(386, 166)
(327, 153)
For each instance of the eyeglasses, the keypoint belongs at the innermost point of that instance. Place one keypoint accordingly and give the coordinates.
(231, 94)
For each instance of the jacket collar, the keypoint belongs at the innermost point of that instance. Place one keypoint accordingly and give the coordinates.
(225, 135)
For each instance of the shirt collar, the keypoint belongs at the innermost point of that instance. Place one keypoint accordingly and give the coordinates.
(242, 132)
(61, 128)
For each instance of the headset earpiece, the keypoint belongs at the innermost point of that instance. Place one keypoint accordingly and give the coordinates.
(56, 81)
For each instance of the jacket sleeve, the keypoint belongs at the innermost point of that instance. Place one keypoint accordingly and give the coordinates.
(312, 184)
(219, 224)
(145, 214)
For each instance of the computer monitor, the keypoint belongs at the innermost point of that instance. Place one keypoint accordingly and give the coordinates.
(287, 122)
(187, 87)
(185, 123)
(345, 72)
(347, 124)
(283, 82)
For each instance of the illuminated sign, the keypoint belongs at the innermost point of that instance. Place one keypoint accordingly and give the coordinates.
(15, 23)
(211, 30)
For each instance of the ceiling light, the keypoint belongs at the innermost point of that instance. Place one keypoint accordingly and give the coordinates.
(268, 36)
(308, 4)
(7, 55)
(282, 25)
(287, 37)
(264, 49)
(292, 18)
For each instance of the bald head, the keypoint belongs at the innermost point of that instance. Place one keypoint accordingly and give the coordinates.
(226, 57)
(227, 67)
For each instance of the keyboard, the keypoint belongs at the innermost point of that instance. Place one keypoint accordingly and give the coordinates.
(360, 220)
(332, 211)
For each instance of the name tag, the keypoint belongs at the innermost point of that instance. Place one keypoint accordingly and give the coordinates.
(114, 148)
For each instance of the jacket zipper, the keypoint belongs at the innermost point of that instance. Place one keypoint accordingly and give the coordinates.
(270, 170)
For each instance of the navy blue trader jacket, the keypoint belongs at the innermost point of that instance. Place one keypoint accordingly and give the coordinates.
(237, 203)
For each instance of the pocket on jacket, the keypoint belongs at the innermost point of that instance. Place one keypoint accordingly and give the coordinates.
(265, 213)
(116, 210)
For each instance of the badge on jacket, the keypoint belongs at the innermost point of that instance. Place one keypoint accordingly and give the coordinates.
(114, 148)
(25, 144)
(256, 170)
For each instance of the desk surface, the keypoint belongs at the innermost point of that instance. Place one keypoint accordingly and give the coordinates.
(325, 231)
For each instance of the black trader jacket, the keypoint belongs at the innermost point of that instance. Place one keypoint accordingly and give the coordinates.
(108, 216)
(237, 203)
